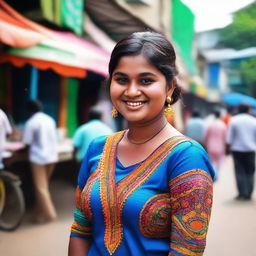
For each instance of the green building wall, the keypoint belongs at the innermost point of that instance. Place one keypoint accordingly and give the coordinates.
(182, 31)
(72, 97)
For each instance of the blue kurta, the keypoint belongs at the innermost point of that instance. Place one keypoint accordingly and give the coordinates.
(160, 206)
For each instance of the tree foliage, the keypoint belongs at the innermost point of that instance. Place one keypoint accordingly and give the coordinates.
(248, 68)
(241, 33)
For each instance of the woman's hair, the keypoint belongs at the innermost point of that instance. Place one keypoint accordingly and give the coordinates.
(155, 48)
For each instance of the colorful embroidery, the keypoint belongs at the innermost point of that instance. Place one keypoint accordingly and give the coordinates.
(138, 176)
(81, 225)
(155, 217)
(113, 230)
(173, 253)
(81, 230)
(78, 198)
(86, 194)
(113, 196)
(191, 201)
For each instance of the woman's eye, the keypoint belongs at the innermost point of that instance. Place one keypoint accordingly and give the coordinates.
(121, 80)
(146, 81)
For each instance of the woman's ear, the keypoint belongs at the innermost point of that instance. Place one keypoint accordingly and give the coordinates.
(171, 87)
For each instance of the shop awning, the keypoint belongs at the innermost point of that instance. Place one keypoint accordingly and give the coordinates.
(44, 65)
(36, 45)
(116, 21)
(234, 99)
(14, 34)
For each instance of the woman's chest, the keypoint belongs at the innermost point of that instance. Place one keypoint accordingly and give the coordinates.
(134, 202)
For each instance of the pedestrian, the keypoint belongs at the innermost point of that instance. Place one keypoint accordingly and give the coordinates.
(195, 127)
(5, 129)
(40, 137)
(215, 141)
(146, 190)
(241, 141)
(227, 117)
(87, 132)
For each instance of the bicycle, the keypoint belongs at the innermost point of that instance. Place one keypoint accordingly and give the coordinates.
(12, 203)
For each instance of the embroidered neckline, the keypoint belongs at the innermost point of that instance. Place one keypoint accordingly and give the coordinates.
(114, 195)
(138, 163)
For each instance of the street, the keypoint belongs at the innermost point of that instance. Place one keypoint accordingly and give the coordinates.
(231, 231)
(232, 228)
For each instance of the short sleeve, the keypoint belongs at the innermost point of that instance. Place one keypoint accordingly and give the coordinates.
(82, 226)
(191, 200)
(187, 156)
(230, 133)
(78, 138)
(7, 125)
(28, 134)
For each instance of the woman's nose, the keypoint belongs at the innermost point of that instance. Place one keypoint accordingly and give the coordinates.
(132, 90)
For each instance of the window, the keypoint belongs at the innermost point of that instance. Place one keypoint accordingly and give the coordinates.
(213, 74)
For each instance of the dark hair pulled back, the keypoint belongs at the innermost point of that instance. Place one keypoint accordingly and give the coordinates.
(155, 48)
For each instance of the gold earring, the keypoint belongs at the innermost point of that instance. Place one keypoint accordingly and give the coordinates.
(114, 112)
(169, 111)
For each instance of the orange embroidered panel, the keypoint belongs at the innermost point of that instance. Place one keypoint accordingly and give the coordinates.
(113, 196)
(108, 195)
(86, 192)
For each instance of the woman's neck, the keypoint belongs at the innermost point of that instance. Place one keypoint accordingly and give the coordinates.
(144, 131)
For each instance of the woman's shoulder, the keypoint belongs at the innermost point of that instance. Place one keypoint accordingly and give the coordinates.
(190, 146)
(190, 155)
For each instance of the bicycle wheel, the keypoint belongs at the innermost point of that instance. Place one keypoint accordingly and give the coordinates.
(2, 195)
(14, 205)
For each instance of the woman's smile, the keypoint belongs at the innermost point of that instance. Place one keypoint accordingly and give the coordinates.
(138, 90)
(134, 105)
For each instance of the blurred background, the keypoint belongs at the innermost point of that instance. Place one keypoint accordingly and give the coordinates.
(57, 51)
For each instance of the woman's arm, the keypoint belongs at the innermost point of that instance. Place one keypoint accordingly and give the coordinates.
(78, 246)
(191, 202)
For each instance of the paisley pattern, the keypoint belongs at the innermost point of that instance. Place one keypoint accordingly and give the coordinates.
(191, 201)
(155, 217)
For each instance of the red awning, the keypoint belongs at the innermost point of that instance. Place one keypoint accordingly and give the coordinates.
(66, 71)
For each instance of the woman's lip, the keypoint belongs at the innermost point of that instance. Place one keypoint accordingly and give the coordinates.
(137, 100)
(134, 104)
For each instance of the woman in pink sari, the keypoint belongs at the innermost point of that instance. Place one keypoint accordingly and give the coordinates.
(215, 141)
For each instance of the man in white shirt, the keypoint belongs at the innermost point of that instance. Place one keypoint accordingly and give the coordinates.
(241, 140)
(41, 138)
(5, 129)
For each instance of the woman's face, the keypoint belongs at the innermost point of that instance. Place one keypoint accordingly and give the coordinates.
(138, 90)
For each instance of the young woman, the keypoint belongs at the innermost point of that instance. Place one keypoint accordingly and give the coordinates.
(146, 190)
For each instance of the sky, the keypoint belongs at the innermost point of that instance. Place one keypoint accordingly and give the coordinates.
(211, 14)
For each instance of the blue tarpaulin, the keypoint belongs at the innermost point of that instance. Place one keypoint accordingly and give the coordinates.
(234, 99)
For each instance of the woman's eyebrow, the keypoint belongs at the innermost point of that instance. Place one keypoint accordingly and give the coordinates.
(147, 74)
(119, 74)
(143, 74)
